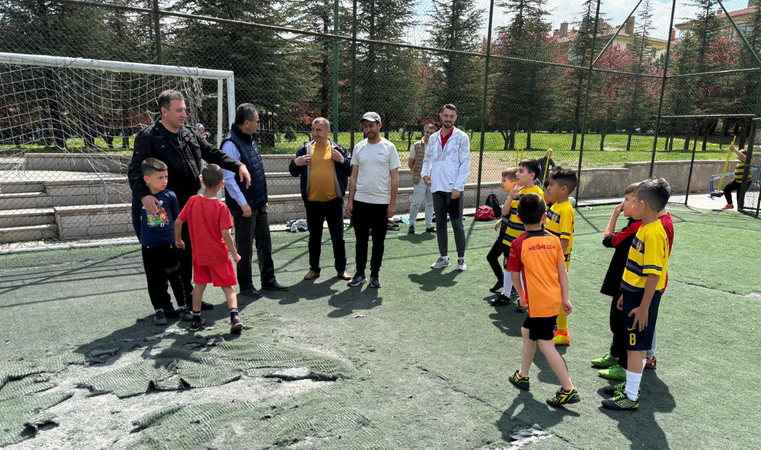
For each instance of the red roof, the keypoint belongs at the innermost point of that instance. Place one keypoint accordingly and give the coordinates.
(733, 14)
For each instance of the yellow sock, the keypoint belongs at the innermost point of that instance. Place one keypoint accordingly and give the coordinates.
(562, 321)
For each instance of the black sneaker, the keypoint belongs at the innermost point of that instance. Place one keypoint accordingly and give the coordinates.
(357, 280)
(171, 313)
(196, 324)
(519, 381)
(497, 286)
(430, 230)
(521, 309)
(562, 397)
(621, 402)
(206, 306)
(501, 300)
(159, 318)
(614, 389)
(375, 282)
(185, 314)
(411, 230)
(236, 326)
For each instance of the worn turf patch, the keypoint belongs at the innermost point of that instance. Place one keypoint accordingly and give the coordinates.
(21, 417)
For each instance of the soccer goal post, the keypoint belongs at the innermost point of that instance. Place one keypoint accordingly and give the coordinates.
(55, 98)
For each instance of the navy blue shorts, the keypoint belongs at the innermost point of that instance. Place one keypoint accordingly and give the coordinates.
(635, 339)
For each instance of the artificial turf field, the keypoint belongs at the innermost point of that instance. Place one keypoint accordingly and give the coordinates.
(420, 363)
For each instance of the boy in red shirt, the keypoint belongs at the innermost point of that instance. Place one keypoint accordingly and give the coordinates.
(536, 259)
(209, 223)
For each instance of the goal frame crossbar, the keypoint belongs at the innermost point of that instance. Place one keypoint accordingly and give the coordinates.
(222, 76)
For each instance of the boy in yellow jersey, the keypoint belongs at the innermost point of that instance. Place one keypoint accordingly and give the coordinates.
(560, 222)
(528, 171)
(737, 179)
(642, 284)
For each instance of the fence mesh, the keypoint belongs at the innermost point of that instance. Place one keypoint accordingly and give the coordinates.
(582, 78)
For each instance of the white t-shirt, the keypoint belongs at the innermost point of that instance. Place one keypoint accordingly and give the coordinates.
(375, 162)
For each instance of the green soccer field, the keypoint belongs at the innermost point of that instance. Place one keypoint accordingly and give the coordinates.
(420, 363)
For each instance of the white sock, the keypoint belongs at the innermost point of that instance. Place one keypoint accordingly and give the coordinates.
(644, 362)
(633, 381)
(507, 283)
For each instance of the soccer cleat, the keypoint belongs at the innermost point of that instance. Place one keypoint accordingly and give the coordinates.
(501, 300)
(357, 280)
(461, 266)
(520, 308)
(616, 373)
(728, 207)
(159, 318)
(614, 389)
(514, 295)
(561, 338)
(621, 402)
(440, 263)
(651, 363)
(562, 397)
(236, 326)
(497, 286)
(375, 282)
(607, 360)
(196, 325)
(519, 381)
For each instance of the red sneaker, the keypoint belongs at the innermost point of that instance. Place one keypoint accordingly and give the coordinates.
(651, 363)
(728, 207)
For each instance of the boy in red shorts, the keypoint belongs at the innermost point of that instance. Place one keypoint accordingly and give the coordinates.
(209, 223)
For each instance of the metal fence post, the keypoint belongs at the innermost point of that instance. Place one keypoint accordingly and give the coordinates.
(586, 103)
(335, 74)
(157, 27)
(663, 91)
(485, 104)
(353, 74)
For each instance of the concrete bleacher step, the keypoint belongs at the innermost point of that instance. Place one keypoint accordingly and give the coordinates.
(28, 233)
(16, 187)
(26, 217)
(32, 200)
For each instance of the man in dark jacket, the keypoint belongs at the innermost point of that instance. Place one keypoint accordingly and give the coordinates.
(182, 150)
(324, 167)
(248, 203)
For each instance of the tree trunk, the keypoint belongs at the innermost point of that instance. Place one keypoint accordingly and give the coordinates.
(528, 139)
(506, 139)
(686, 143)
(573, 141)
(603, 132)
(705, 137)
(629, 141)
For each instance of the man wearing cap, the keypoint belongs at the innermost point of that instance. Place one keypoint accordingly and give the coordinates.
(372, 196)
(324, 167)
(446, 168)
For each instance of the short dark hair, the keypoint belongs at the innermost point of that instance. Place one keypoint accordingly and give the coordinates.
(565, 177)
(631, 188)
(531, 207)
(149, 166)
(244, 112)
(430, 125)
(166, 97)
(531, 165)
(449, 106)
(510, 173)
(656, 192)
(212, 175)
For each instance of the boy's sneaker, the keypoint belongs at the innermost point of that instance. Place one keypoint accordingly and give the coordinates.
(616, 373)
(185, 314)
(236, 326)
(196, 325)
(440, 263)
(651, 363)
(159, 318)
(461, 266)
(357, 280)
(561, 338)
(728, 207)
(501, 300)
(519, 381)
(497, 286)
(562, 397)
(411, 230)
(171, 313)
(520, 308)
(614, 389)
(514, 295)
(375, 282)
(621, 402)
(607, 360)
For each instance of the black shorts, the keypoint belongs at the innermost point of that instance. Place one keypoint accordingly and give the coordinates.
(541, 328)
(635, 339)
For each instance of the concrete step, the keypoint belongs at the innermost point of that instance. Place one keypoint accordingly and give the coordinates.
(14, 187)
(28, 233)
(282, 183)
(26, 200)
(12, 162)
(26, 217)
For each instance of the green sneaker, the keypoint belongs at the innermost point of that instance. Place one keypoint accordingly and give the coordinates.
(616, 373)
(605, 362)
(519, 381)
(562, 397)
(614, 389)
(621, 402)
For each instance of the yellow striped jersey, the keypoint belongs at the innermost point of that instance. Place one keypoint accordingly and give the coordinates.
(514, 225)
(560, 222)
(648, 254)
(739, 171)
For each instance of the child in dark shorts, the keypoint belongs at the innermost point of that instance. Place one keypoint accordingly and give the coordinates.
(537, 258)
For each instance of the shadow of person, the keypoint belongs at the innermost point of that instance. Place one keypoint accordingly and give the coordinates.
(354, 299)
(534, 410)
(418, 237)
(308, 290)
(507, 320)
(434, 279)
(641, 428)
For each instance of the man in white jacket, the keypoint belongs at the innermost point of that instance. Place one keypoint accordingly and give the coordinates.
(446, 168)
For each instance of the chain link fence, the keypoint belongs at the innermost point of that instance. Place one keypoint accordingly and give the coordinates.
(618, 92)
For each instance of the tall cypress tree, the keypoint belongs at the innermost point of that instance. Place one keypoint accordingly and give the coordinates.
(640, 49)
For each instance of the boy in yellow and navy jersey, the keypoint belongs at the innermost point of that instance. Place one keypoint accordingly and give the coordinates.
(528, 171)
(737, 179)
(560, 222)
(642, 284)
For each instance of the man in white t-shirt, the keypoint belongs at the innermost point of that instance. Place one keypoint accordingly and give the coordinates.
(372, 196)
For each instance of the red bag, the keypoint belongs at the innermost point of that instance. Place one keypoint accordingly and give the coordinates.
(484, 213)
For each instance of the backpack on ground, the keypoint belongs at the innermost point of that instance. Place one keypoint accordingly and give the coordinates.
(484, 212)
(493, 202)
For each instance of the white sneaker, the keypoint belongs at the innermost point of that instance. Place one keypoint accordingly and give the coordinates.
(461, 266)
(440, 263)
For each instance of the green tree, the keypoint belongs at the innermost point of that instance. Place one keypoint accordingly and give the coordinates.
(640, 108)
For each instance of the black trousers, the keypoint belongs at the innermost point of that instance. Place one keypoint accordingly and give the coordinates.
(497, 250)
(186, 257)
(247, 229)
(369, 216)
(731, 187)
(618, 346)
(317, 213)
(162, 265)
